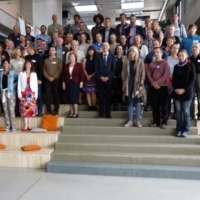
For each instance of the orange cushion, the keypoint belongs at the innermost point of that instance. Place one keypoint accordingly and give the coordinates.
(49, 122)
(2, 146)
(2, 128)
(31, 147)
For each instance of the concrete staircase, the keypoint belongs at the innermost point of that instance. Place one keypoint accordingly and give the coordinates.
(88, 145)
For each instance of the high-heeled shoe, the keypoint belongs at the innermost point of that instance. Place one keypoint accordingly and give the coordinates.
(29, 129)
(24, 129)
(75, 115)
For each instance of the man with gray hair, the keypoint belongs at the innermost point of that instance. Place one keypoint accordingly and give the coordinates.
(53, 27)
(15, 36)
(179, 27)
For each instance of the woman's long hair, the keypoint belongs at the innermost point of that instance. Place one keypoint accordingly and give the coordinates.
(135, 49)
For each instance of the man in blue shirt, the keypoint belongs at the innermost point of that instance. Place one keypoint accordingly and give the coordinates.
(98, 45)
(187, 42)
(43, 36)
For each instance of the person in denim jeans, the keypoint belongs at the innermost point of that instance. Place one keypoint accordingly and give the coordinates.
(183, 80)
(8, 84)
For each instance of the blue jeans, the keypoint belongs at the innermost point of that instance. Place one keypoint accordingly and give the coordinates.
(183, 115)
(137, 111)
(39, 101)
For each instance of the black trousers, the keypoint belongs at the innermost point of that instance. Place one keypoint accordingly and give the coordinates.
(117, 91)
(52, 87)
(159, 102)
(105, 94)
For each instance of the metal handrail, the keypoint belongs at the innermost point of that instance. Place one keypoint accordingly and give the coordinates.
(8, 13)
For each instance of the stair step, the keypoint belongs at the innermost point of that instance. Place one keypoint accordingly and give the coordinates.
(127, 170)
(114, 114)
(116, 130)
(161, 139)
(15, 157)
(114, 122)
(19, 138)
(130, 148)
(35, 122)
(136, 158)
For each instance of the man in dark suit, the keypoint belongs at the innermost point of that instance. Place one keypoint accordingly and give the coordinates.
(107, 30)
(105, 70)
(132, 30)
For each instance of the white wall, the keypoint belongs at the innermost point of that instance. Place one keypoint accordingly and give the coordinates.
(43, 11)
(12, 8)
(190, 13)
(40, 12)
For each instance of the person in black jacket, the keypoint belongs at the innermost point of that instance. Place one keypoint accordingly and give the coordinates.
(133, 30)
(38, 63)
(107, 31)
(183, 80)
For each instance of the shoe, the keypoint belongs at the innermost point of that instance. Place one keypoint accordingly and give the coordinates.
(138, 124)
(198, 118)
(90, 108)
(55, 113)
(128, 124)
(100, 116)
(75, 116)
(48, 113)
(108, 116)
(7, 128)
(29, 129)
(115, 108)
(70, 116)
(94, 108)
(147, 108)
(25, 130)
(184, 134)
(178, 134)
(13, 128)
(39, 114)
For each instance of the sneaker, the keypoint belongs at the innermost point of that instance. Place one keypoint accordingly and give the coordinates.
(184, 134)
(8, 128)
(138, 124)
(178, 134)
(56, 113)
(128, 124)
(13, 129)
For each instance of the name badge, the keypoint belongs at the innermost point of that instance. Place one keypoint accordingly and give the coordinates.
(17, 38)
(194, 41)
(198, 61)
(63, 52)
(158, 67)
(19, 62)
(34, 61)
(54, 63)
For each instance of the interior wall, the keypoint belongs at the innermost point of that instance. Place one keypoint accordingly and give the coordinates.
(12, 8)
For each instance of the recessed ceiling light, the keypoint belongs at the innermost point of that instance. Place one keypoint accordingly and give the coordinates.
(133, 5)
(88, 8)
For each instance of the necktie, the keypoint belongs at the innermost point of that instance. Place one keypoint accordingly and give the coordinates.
(104, 58)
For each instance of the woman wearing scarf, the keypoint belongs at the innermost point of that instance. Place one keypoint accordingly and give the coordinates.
(183, 84)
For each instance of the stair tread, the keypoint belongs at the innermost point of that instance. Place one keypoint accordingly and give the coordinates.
(17, 150)
(142, 155)
(131, 144)
(131, 136)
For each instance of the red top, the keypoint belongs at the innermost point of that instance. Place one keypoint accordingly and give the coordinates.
(77, 73)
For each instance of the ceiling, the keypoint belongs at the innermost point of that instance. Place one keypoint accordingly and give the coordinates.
(112, 8)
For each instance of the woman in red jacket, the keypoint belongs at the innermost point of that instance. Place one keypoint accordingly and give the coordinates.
(73, 77)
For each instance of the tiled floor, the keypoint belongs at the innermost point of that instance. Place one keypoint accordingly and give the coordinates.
(31, 184)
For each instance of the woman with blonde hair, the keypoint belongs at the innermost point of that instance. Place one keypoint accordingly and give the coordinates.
(157, 33)
(133, 75)
(17, 63)
(138, 42)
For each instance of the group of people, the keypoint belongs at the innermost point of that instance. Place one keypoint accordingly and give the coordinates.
(127, 65)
